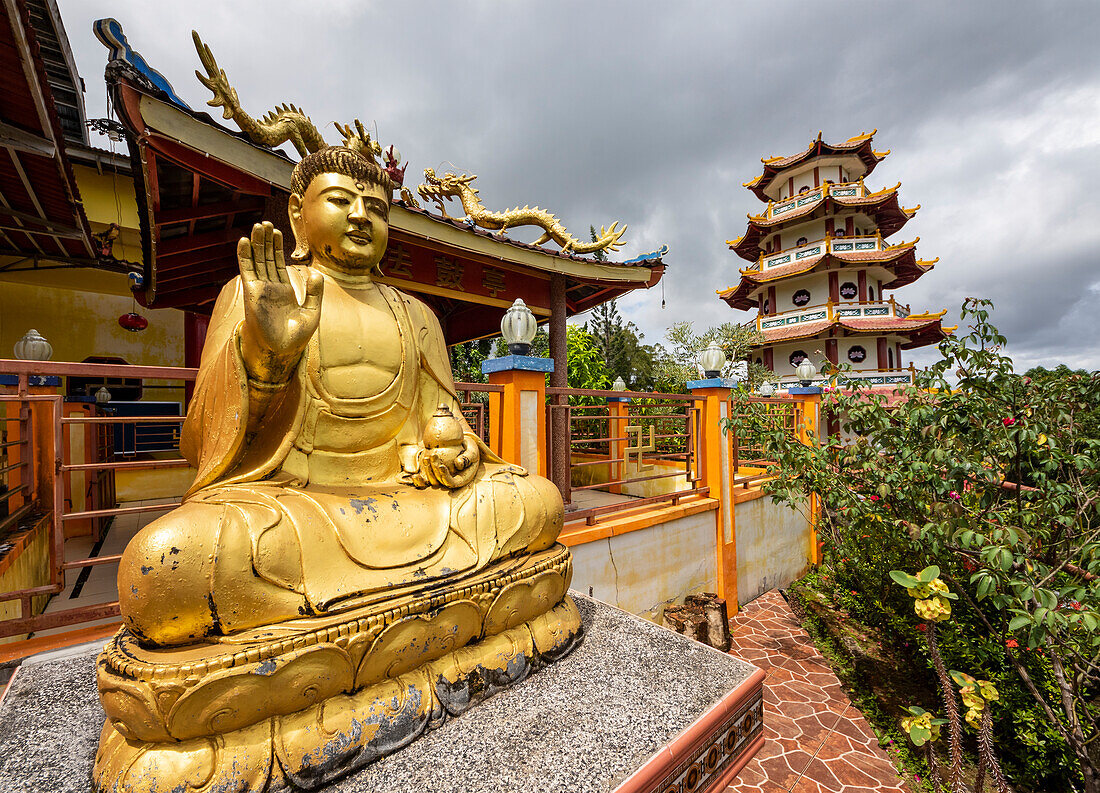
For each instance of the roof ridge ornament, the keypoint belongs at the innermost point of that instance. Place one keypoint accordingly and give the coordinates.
(452, 185)
(110, 34)
(287, 122)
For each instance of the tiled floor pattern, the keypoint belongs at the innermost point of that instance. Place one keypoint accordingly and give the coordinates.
(816, 741)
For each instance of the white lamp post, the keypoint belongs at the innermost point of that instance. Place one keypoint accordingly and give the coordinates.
(102, 396)
(766, 389)
(518, 328)
(619, 384)
(33, 347)
(712, 359)
(806, 372)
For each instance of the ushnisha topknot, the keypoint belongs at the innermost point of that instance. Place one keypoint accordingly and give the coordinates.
(342, 160)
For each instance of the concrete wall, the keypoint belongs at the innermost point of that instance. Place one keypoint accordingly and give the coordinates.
(25, 567)
(773, 547)
(644, 570)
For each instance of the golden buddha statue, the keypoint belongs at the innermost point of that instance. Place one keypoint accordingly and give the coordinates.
(352, 563)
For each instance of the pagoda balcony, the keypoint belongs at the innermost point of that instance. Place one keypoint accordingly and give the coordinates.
(828, 244)
(836, 190)
(830, 312)
(865, 377)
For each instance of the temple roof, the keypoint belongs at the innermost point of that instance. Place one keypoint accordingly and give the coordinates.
(41, 214)
(899, 259)
(883, 207)
(201, 186)
(860, 146)
(922, 329)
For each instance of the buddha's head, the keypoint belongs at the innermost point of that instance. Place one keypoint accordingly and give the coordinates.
(339, 210)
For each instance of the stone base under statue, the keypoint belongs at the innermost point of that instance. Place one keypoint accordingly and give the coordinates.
(634, 708)
(301, 703)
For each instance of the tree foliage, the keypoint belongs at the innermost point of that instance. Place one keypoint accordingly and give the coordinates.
(995, 480)
(621, 344)
(680, 362)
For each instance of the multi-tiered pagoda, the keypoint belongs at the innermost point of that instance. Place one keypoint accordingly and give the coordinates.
(821, 266)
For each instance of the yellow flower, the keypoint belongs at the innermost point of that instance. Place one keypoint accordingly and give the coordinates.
(971, 698)
(920, 591)
(989, 691)
(933, 609)
(974, 718)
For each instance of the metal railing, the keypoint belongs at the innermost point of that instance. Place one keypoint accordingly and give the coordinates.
(41, 432)
(638, 445)
(46, 424)
(752, 420)
(480, 404)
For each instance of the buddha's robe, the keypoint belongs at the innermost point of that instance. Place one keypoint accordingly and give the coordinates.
(310, 511)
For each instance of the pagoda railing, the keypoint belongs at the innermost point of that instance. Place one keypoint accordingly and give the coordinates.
(641, 446)
(59, 457)
(830, 311)
(827, 244)
(871, 377)
(837, 190)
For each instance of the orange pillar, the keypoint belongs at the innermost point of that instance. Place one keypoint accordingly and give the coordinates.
(522, 408)
(617, 412)
(715, 459)
(808, 433)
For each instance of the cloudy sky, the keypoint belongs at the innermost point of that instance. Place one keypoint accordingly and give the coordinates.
(654, 113)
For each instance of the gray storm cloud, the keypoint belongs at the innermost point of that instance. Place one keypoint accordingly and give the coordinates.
(654, 113)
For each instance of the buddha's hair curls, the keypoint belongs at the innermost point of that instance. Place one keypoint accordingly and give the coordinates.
(342, 160)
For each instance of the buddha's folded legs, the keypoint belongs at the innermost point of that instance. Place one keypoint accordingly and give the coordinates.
(235, 558)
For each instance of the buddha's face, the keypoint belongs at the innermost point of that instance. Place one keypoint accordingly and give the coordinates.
(344, 222)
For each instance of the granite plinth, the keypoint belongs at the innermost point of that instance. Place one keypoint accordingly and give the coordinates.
(634, 707)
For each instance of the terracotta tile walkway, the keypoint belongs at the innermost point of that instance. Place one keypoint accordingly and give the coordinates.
(816, 740)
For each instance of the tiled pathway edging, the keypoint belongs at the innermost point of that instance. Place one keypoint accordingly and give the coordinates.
(816, 741)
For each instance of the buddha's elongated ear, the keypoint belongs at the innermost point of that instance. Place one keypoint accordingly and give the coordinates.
(301, 244)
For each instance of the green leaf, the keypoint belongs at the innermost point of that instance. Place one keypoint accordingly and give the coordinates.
(1018, 622)
(929, 574)
(904, 579)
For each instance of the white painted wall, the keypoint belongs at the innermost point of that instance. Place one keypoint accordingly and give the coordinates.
(773, 547)
(643, 571)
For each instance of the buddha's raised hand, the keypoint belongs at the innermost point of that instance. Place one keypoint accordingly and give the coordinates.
(276, 328)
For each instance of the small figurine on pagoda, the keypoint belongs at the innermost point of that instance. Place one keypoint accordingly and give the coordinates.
(821, 267)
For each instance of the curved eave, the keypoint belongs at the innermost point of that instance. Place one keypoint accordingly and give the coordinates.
(883, 207)
(920, 329)
(159, 131)
(860, 146)
(901, 260)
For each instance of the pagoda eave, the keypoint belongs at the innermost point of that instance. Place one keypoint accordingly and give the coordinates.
(900, 260)
(882, 207)
(860, 146)
(920, 329)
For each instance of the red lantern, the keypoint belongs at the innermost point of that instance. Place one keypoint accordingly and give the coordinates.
(133, 322)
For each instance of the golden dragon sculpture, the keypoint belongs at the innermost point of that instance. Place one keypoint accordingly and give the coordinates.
(284, 123)
(451, 185)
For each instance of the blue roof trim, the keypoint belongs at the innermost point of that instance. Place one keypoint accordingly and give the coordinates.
(648, 257)
(110, 34)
